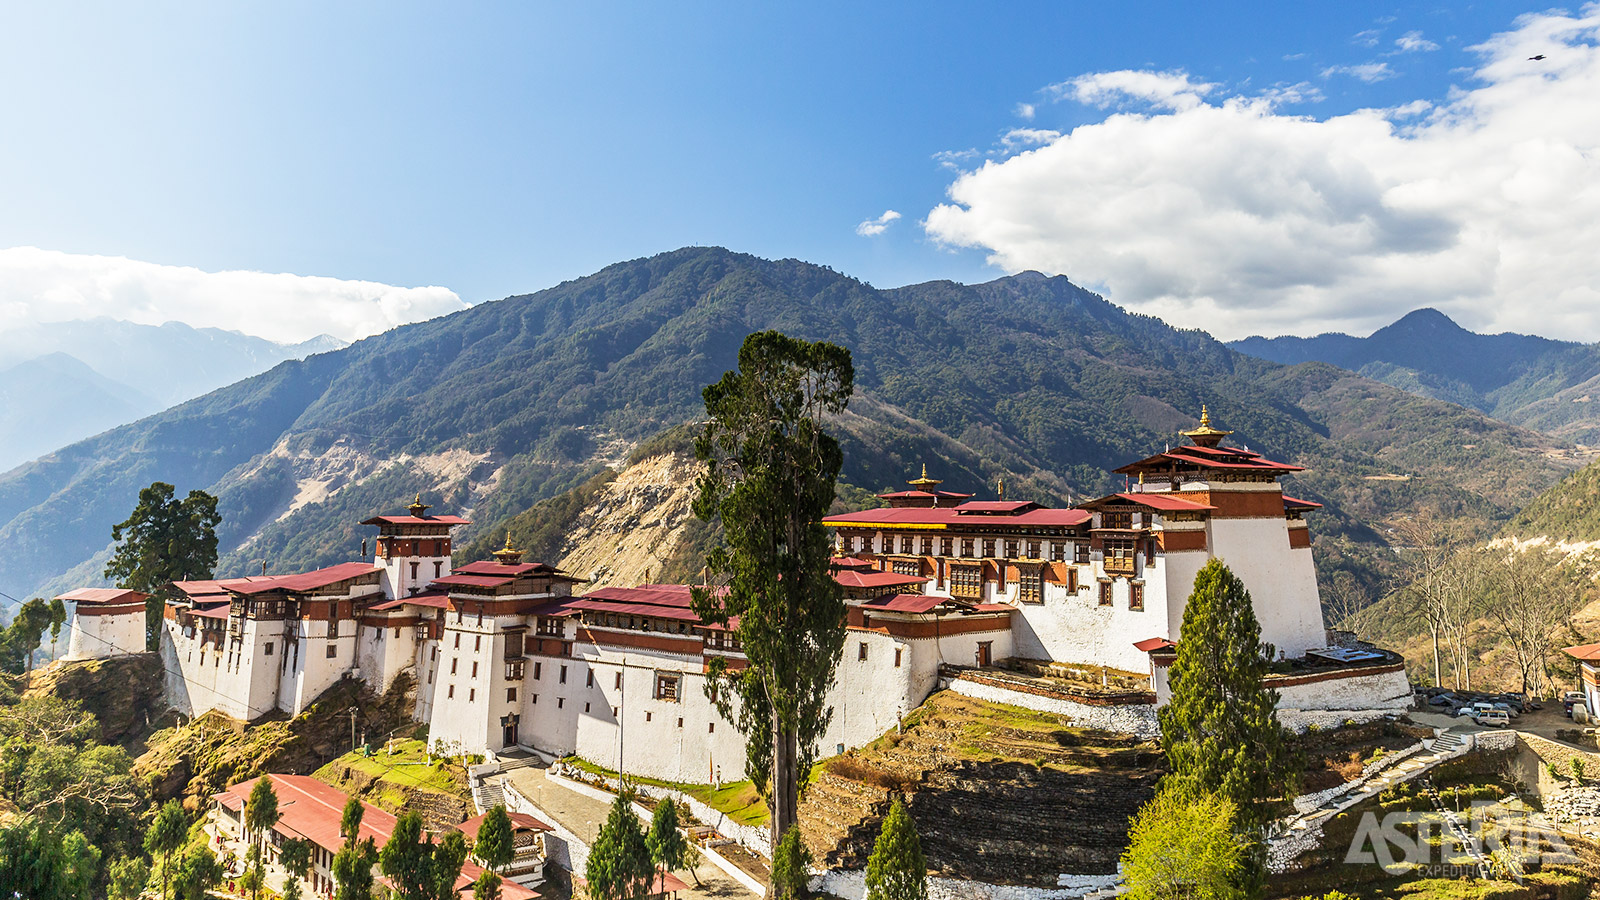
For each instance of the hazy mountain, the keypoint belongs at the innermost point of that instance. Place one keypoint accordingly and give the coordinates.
(1547, 385)
(493, 408)
(55, 399)
(120, 372)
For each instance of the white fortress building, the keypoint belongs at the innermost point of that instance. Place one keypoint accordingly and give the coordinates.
(941, 589)
(106, 622)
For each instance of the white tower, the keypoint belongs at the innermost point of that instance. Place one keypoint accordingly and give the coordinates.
(105, 622)
(413, 549)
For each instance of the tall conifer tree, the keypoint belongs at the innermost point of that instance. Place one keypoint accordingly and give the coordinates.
(770, 469)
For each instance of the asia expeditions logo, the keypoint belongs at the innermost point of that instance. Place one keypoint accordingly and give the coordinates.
(1501, 839)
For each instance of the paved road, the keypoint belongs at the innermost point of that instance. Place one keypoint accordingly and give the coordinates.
(582, 815)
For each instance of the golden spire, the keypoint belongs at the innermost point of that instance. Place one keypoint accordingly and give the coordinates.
(507, 554)
(1002, 489)
(925, 483)
(1205, 435)
(417, 507)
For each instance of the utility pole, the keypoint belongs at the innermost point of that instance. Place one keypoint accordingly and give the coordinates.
(352, 713)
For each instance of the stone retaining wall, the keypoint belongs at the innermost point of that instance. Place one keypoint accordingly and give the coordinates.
(1136, 718)
(851, 884)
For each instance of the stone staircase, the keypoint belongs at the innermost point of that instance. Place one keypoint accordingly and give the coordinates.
(1464, 838)
(487, 794)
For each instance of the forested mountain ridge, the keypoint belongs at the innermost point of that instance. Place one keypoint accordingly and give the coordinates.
(493, 408)
(1538, 383)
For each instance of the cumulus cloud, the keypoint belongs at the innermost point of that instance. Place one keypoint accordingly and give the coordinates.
(1413, 42)
(1371, 72)
(1026, 137)
(1025, 110)
(1229, 215)
(875, 227)
(50, 286)
(1169, 90)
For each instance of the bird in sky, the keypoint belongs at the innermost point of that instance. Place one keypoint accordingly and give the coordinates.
(1535, 58)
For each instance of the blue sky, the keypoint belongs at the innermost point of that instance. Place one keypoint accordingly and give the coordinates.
(500, 148)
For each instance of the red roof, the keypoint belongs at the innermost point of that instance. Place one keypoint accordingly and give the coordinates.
(906, 603)
(1583, 651)
(490, 567)
(416, 520)
(1157, 501)
(430, 599)
(220, 611)
(851, 579)
(311, 810)
(1033, 516)
(103, 596)
(475, 580)
(666, 601)
(1296, 503)
(850, 562)
(1210, 458)
(305, 581)
(518, 820)
(1155, 643)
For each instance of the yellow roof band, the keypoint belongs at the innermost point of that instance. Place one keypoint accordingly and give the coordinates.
(940, 526)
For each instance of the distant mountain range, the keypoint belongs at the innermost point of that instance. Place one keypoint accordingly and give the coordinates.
(1538, 383)
(65, 381)
(489, 410)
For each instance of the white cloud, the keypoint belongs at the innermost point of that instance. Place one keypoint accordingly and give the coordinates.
(50, 286)
(1230, 216)
(1413, 41)
(955, 160)
(1168, 90)
(1368, 38)
(1025, 110)
(1301, 92)
(1371, 72)
(875, 227)
(1027, 137)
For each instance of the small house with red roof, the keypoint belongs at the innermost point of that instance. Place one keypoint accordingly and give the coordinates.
(105, 622)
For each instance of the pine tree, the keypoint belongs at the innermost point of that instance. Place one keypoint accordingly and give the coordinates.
(493, 847)
(770, 473)
(487, 887)
(164, 540)
(897, 870)
(166, 834)
(420, 869)
(1220, 730)
(1183, 845)
(668, 848)
(790, 858)
(261, 809)
(619, 862)
(352, 864)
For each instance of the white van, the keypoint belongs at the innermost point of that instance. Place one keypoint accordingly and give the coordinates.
(1496, 717)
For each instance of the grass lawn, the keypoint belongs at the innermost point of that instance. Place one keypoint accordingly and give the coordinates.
(737, 800)
(408, 767)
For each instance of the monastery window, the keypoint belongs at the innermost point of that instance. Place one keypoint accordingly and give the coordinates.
(647, 715)
(474, 670)
(1105, 593)
(218, 663)
(1080, 552)
(438, 569)
(617, 685)
(897, 652)
(453, 662)
(333, 650)
(480, 617)
(458, 640)
(267, 650)
(333, 628)
(1011, 549)
(561, 702)
(966, 547)
(414, 567)
(667, 686)
(563, 675)
(434, 654)
(905, 544)
(1030, 585)
(927, 546)
(945, 548)
(861, 650)
(533, 699)
(711, 728)
(514, 645)
(1072, 580)
(908, 567)
(988, 548)
(966, 581)
(680, 723)
(846, 544)
(586, 707)
(477, 643)
(1058, 551)
(1116, 520)
(472, 695)
(1033, 550)
(1136, 597)
(589, 682)
(538, 671)
(450, 692)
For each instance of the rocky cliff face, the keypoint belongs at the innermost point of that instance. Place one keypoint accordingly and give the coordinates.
(124, 693)
(632, 527)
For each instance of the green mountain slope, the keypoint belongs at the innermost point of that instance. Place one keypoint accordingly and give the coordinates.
(1538, 383)
(1568, 512)
(496, 407)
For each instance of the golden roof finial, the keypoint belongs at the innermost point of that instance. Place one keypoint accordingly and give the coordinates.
(508, 539)
(508, 554)
(417, 507)
(1205, 435)
(1002, 489)
(925, 483)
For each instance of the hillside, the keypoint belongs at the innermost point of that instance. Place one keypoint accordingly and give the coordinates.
(494, 408)
(1567, 513)
(1538, 383)
(52, 400)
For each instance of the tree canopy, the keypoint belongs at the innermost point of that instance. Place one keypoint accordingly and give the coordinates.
(1183, 846)
(668, 849)
(769, 478)
(25, 634)
(422, 869)
(897, 870)
(619, 866)
(39, 863)
(164, 540)
(493, 845)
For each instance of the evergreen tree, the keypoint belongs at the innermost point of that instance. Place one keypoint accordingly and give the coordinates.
(493, 846)
(261, 810)
(197, 873)
(25, 634)
(38, 863)
(164, 540)
(790, 858)
(1220, 730)
(352, 864)
(619, 862)
(896, 870)
(487, 887)
(770, 473)
(350, 820)
(1183, 846)
(292, 890)
(668, 849)
(165, 836)
(420, 869)
(294, 855)
(127, 878)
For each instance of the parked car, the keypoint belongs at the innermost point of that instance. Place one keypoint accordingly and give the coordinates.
(1493, 716)
(1511, 711)
(1569, 700)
